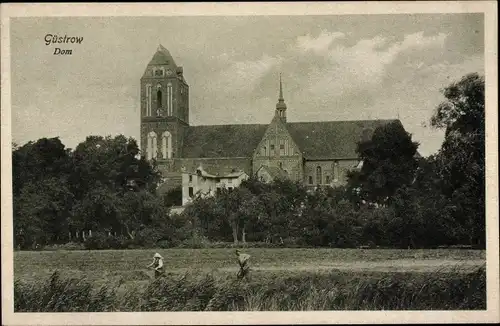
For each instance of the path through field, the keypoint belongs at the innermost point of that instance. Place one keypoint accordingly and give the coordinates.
(131, 264)
(402, 265)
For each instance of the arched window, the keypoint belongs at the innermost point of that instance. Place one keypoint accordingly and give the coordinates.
(282, 147)
(148, 100)
(271, 149)
(158, 99)
(335, 170)
(152, 146)
(366, 134)
(280, 165)
(169, 100)
(318, 175)
(166, 145)
(264, 151)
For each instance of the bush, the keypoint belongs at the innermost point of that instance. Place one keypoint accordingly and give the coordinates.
(63, 295)
(65, 246)
(101, 241)
(97, 241)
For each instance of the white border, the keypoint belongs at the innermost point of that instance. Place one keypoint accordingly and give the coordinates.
(489, 8)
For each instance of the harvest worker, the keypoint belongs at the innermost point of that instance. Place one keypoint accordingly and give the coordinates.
(244, 264)
(157, 264)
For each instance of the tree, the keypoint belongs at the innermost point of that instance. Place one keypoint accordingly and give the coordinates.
(461, 159)
(250, 211)
(388, 163)
(227, 202)
(42, 198)
(173, 197)
(108, 179)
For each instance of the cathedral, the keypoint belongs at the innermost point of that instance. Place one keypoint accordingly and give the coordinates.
(315, 153)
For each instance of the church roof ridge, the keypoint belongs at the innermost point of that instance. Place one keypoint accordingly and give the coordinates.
(342, 121)
(230, 124)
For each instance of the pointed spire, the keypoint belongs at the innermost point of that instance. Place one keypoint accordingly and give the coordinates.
(281, 91)
(281, 101)
(281, 106)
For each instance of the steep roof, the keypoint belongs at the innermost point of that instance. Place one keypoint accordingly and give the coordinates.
(217, 172)
(275, 172)
(332, 139)
(222, 140)
(162, 57)
(316, 140)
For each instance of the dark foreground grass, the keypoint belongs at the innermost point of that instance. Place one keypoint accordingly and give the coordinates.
(263, 292)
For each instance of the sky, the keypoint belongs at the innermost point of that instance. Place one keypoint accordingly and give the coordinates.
(346, 67)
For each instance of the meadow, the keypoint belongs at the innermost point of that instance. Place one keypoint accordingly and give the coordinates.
(281, 279)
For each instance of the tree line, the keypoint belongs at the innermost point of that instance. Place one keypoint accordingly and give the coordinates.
(396, 199)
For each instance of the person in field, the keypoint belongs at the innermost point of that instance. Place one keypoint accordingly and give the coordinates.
(244, 264)
(157, 264)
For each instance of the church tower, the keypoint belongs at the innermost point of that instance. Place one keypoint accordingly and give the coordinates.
(164, 108)
(281, 106)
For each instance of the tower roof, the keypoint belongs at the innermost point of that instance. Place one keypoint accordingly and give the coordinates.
(281, 101)
(162, 57)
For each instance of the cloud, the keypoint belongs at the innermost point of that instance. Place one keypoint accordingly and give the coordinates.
(363, 65)
(242, 77)
(319, 44)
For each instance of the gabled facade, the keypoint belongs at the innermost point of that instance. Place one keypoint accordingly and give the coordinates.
(315, 153)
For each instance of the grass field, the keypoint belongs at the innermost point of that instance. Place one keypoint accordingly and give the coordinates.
(281, 279)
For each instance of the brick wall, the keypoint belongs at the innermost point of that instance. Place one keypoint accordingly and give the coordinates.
(336, 173)
(292, 165)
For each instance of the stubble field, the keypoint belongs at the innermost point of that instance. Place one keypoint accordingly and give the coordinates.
(281, 279)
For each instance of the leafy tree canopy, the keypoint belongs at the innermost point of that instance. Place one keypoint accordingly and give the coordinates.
(388, 163)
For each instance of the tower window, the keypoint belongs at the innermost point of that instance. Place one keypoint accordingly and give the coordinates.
(158, 99)
(271, 150)
(169, 100)
(158, 72)
(166, 146)
(190, 178)
(328, 179)
(280, 165)
(152, 146)
(148, 100)
(310, 180)
(282, 148)
(191, 192)
(264, 151)
(318, 175)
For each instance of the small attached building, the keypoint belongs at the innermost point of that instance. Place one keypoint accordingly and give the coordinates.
(203, 183)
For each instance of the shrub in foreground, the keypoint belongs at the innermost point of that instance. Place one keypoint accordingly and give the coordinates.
(264, 291)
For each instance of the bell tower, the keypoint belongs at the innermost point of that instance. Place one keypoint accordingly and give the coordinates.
(164, 108)
(281, 105)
